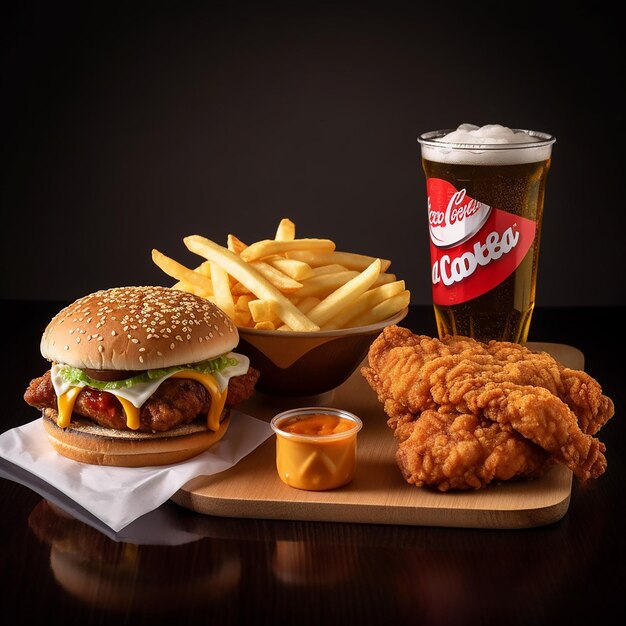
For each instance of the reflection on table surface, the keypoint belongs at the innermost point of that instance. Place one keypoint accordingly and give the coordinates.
(426, 573)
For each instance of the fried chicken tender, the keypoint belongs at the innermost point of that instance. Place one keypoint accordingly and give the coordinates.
(526, 392)
(451, 450)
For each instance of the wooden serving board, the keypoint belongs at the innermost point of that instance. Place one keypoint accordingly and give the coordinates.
(378, 494)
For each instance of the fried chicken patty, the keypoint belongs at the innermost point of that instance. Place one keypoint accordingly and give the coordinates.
(177, 401)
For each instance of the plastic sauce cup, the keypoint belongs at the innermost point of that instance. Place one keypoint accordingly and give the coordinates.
(316, 447)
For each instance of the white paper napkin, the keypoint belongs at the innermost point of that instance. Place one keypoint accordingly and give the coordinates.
(118, 495)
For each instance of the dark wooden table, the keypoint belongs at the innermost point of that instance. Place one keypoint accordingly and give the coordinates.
(234, 571)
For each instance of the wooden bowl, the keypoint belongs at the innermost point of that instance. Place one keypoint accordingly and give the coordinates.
(308, 363)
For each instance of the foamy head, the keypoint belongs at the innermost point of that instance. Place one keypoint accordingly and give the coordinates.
(492, 144)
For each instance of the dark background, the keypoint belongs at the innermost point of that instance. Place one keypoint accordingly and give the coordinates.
(128, 127)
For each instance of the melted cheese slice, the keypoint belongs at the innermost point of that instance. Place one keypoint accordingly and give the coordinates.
(65, 406)
(133, 398)
(218, 397)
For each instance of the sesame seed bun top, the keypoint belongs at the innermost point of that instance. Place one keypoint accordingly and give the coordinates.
(138, 328)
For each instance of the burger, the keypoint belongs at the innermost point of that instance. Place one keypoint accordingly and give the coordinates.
(140, 376)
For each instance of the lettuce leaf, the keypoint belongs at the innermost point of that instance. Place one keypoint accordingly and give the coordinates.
(74, 375)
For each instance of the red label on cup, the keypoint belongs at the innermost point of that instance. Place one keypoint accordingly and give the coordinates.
(473, 246)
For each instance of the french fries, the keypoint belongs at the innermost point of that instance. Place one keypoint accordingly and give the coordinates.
(365, 302)
(289, 282)
(221, 290)
(345, 295)
(268, 247)
(286, 230)
(349, 260)
(298, 270)
(201, 284)
(250, 277)
(279, 279)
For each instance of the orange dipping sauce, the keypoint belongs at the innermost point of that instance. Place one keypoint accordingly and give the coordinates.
(317, 424)
(316, 447)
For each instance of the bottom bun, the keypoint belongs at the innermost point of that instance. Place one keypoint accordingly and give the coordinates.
(87, 442)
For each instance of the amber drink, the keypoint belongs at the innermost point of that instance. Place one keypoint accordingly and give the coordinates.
(486, 189)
